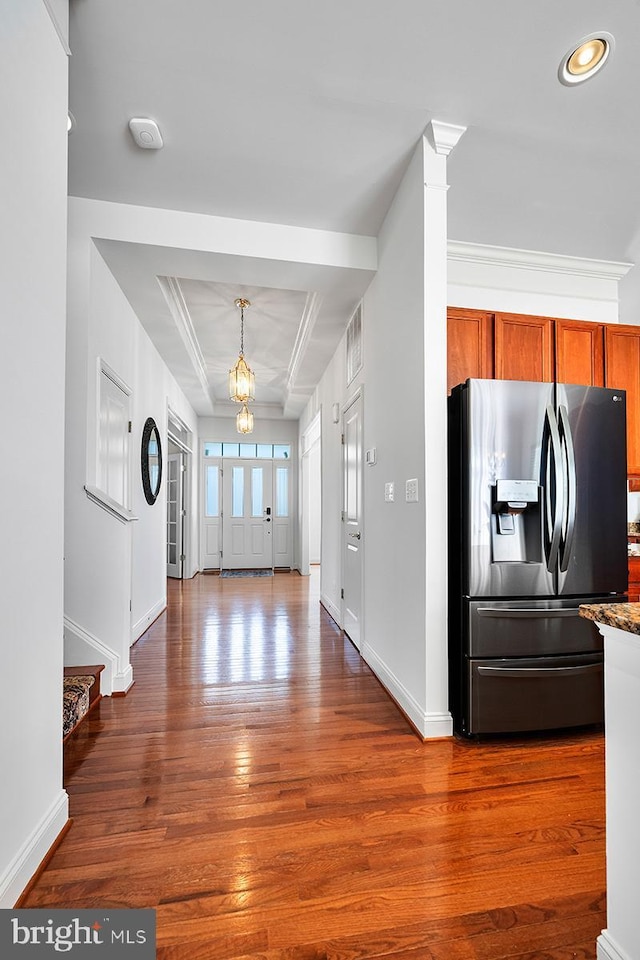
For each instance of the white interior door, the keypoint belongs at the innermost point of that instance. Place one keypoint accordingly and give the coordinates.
(352, 531)
(247, 515)
(175, 515)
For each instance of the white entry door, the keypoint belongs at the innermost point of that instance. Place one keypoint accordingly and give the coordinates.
(175, 514)
(352, 531)
(247, 519)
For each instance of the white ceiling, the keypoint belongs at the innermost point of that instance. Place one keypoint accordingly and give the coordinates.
(306, 114)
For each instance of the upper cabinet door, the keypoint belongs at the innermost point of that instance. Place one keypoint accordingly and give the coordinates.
(622, 372)
(469, 345)
(523, 347)
(580, 352)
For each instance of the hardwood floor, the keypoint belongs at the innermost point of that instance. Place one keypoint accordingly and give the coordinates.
(260, 789)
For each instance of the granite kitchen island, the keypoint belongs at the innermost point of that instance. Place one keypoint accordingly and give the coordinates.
(619, 624)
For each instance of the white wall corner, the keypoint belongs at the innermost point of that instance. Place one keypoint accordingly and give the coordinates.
(33, 851)
(443, 137)
(123, 680)
(429, 725)
(608, 949)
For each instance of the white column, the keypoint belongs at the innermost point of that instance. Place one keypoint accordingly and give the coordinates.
(439, 140)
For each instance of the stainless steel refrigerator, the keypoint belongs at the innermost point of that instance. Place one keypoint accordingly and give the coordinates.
(537, 526)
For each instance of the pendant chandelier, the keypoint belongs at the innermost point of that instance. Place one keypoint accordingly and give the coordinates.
(242, 387)
(244, 420)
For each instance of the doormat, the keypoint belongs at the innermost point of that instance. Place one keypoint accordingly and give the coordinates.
(246, 573)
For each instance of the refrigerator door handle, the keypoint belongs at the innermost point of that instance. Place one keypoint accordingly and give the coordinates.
(524, 672)
(528, 613)
(569, 462)
(552, 481)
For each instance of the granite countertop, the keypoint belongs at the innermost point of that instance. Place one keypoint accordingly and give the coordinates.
(624, 616)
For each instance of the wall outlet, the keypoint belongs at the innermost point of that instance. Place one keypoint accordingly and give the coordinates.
(388, 492)
(411, 491)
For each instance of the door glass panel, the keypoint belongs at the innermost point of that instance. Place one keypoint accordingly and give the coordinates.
(281, 451)
(237, 492)
(257, 497)
(213, 449)
(265, 450)
(248, 450)
(230, 449)
(282, 492)
(211, 508)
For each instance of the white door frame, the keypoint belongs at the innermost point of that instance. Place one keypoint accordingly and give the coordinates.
(310, 438)
(358, 640)
(190, 564)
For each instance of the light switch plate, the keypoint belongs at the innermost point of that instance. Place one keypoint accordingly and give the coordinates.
(411, 491)
(388, 492)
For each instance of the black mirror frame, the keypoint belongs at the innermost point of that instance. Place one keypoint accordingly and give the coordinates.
(150, 495)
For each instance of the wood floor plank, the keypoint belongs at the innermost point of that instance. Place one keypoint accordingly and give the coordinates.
(259, 788)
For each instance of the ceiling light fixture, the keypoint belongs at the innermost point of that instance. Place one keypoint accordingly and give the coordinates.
(585, 58)
(242, 384)
(244, 420)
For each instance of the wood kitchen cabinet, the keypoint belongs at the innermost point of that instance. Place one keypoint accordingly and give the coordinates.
(469, 345)
(622, 372)
(579, 352)
(523, 347)
(634, 579)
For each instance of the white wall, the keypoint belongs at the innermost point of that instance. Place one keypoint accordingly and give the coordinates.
(33, 98)
(405, 547)
(115, 572)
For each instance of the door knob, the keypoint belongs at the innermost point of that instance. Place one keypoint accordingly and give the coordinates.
(356, 536)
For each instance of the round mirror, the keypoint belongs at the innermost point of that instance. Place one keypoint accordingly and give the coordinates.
(151, 461)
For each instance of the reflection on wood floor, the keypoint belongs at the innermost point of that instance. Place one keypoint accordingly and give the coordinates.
(260, 789)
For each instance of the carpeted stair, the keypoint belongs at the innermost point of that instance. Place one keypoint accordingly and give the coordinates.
(81, 692)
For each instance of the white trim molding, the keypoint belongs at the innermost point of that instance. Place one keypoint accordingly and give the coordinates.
(33, 851)
(536, 260)
(305, 328)
(331, 608)
(107, 503)
(429, 725)
(147, 619)
(82, 645)
(179, 310)
(608, 949)
(511, 280)
(444, 136)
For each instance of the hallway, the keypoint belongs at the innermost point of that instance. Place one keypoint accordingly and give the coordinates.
(258, 786)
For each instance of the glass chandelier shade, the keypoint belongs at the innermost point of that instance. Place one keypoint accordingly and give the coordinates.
(244, 420)
(242, 385)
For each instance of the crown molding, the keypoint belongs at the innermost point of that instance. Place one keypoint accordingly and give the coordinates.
(305, 329)
(536, 260)
(444, 136)
(58, 28)
(172, 291)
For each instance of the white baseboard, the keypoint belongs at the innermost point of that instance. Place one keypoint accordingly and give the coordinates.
(141, 625)
(82, 647)
(430, 725)
(331, 609)
(608, 949)
(33, 851)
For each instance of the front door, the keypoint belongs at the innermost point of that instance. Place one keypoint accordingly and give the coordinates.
(352, 531)
(247, 521)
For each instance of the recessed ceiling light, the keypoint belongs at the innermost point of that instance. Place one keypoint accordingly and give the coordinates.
(585, 58)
